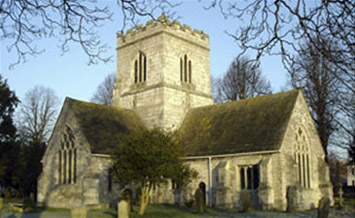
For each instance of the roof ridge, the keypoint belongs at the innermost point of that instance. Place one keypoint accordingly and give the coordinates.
(94, 104)
(249, 99)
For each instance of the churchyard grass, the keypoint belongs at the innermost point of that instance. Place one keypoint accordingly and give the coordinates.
(164, 210)
(348, 204)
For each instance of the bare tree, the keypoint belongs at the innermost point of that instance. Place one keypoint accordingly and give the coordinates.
(278, 27)
(322, 89)
(242, 80)
(104, 92)
(214, 88)
(345, 132)
(22, 22)
(133, 10)
(38, 113)
(281, 27)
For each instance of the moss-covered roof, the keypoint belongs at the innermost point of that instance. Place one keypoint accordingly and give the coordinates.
(102, 125)
(250, 125)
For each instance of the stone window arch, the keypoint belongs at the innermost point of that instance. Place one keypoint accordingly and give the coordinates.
(140, 68)
(185, 69)
(67, 157)
(302, 157)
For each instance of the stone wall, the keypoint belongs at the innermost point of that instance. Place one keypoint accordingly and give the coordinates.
(50, 192)
(91, 186)
(163, 100)
(278, 171)
(319, 172)
(222, 181)
(350, 175)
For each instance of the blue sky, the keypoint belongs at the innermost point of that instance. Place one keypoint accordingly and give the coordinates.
(69, 75)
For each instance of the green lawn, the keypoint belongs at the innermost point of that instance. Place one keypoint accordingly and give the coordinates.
(163, 210)
(347, 203)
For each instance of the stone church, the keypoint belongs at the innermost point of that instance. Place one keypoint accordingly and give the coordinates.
(266, 145)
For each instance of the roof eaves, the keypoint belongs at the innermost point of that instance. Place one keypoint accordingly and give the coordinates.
(231, 155)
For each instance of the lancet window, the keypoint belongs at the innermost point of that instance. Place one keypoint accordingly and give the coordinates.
(249, 177)
(302, 158)
(185, 69)
(140, 68)
(67, 156)
(109, 180)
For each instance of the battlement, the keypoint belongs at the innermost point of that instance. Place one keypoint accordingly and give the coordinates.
(163, 24)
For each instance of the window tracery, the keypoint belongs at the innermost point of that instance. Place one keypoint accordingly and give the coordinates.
(67, 158)
(302, 158)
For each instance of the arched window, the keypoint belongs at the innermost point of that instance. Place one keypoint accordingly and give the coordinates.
(185, 69)
(302, 158)
(140, 68)
(67, 158)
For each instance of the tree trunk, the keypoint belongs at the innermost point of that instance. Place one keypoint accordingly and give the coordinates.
(143, 208)
(144, 199)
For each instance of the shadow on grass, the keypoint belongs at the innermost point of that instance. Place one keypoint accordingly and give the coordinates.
(168, 210)
(110, 213)
(163, 210)
(178, 208)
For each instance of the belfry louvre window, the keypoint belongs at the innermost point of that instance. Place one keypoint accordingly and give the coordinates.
(249, 177)
(140, 68)
(185, 69)
(302, 158)
(67, 158)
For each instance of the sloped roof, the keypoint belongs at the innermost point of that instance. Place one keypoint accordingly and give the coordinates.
(102, 125)
(250, 125)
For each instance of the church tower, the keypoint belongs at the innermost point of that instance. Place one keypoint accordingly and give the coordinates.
(163, 70)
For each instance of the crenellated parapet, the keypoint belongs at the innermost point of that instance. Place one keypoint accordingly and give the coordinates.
(163, 24)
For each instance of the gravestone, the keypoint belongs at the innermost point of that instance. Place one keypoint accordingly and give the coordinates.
(123, 209)
(200, 202)
(127, 195)
(78, 212)
(246, 201)
(323, 207)
(1, 204)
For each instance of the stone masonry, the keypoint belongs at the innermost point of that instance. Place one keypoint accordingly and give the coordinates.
(266, 145)
(163, 99)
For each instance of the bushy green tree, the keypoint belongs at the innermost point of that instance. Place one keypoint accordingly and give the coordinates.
(32, 154)
(8, 103)
(148, 158)
(9, 148)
